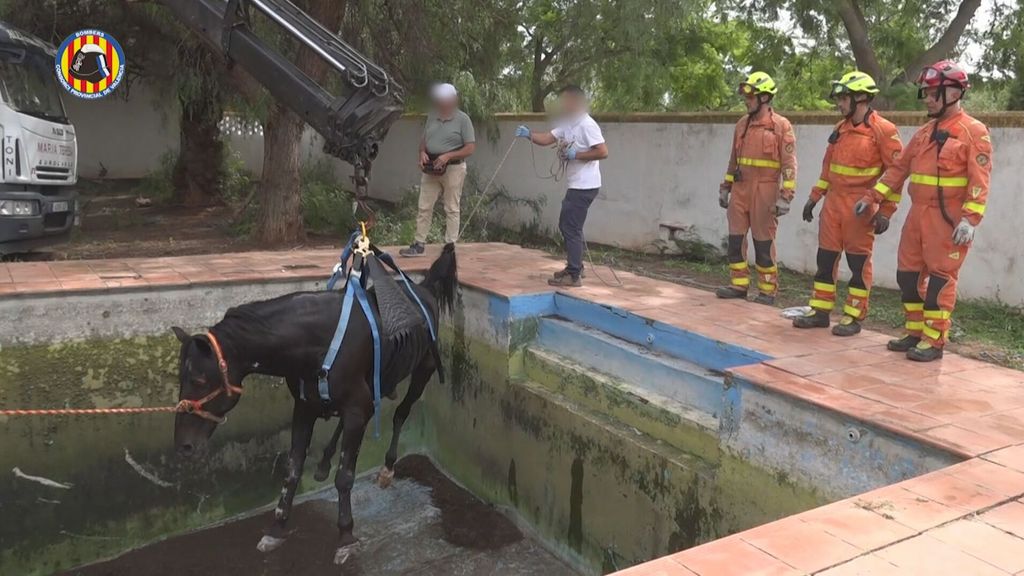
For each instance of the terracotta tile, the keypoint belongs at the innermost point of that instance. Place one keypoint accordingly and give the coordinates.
(804, 546)
(984, 542)
(46, 287)
(907, 508)
(849, 379)
(867, 565)
(801, 366)
(862, 528)
(732, 557)
(995, 477)
(74, 285)
(963, 440)
(8, 288)
(1006, 428)
(953, 490)
(5, 276)
(897, 371)
(660, 567)
(926, 556)
(893, 395)
(1007, 517)
(905, 419)
(1012, 457)
(993, 376)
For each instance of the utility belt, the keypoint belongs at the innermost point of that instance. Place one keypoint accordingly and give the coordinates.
(429, 167)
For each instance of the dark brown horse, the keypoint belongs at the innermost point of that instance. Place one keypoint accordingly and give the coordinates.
(288, 337)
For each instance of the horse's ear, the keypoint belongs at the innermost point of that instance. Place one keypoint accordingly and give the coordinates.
(203, 344)
(183, 336)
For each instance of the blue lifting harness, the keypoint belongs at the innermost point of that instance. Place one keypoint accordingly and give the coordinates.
(355, 291)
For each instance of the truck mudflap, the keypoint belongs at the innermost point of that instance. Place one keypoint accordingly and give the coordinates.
(50, 223)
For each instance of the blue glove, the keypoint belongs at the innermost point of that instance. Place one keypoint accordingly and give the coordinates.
(522, 132)
(570, 153)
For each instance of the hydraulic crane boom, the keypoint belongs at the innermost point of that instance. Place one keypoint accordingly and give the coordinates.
(352, 123)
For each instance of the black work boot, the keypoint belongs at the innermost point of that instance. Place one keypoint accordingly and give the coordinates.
(766, 299)
(414, 250)
(565, 281)
(813, 319)
(903, 344)
(848, 326)
(728, 292)
(924, 352)
(565, 272)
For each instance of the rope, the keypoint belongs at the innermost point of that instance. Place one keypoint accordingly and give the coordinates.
(593, 268)
(483, 194)
(87, 411)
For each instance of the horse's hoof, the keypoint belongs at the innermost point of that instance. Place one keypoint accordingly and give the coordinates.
(344, 553)
(322, 473)
(384, 477)
(269, 544)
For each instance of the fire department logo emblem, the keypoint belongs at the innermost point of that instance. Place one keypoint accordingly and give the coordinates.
(982, 159)
(90, 64)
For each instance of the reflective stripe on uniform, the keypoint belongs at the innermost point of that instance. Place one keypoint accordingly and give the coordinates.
(887, 192)
(929, 180)
(852, 311)
(824, 287)
(789, 184)
(730, 178)
(931, 333)
(853, 171)
(915, 326)
(822, 304)
(769, 270)
(741, 281)
(738, 266)
(758, 162)
(938, 314)
(913, 306)
(858, 292)
(975, 207)
(766, 287)
(823, 184)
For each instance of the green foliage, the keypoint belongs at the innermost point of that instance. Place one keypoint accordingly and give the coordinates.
(326, 207)
(158, 185)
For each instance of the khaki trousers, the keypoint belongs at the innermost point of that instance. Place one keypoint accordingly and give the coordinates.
(449, 186)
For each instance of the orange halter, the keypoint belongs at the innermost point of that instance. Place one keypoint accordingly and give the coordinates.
(187, 406)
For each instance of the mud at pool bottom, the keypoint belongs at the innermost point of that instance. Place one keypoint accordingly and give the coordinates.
(423, 525)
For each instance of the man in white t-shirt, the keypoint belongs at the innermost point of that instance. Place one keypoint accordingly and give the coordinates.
(581, 145)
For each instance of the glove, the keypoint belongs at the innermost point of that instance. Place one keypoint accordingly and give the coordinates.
(809, 210)
(723, 197)
(964, 233)
(781, 207)
(862, 206)
(881, 223)
(570, 152)
(522, 132)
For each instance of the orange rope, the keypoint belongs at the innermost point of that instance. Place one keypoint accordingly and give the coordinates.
(76, 411)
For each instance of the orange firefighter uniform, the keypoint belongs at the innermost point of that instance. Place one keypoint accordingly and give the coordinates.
(856, 156)
(948, 163)
(763, 153)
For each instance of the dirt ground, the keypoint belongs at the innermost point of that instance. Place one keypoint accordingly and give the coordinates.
(423, 525)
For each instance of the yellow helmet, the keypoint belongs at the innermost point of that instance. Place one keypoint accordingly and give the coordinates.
(758, 83)
(854, 83)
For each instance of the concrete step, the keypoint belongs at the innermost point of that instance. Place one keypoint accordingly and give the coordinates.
(642, 411)
(695, 391)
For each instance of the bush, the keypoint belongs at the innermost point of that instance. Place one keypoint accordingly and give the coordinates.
(158, 185)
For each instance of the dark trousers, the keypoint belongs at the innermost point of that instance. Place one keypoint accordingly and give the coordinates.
(570, 223)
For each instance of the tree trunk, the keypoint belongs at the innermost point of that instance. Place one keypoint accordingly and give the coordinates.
(540, 64)
(860, 42)
(279, 220)
(280, 214)
(946, 43)
(198, 171)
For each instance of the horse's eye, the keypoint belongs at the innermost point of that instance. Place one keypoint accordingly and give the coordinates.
(200, 380)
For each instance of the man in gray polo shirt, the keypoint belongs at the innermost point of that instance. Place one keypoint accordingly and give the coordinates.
(447, 141)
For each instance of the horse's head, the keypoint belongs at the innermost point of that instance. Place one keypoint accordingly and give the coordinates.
(205, 393)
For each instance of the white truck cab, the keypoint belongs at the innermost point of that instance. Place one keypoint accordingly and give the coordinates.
(38, 151)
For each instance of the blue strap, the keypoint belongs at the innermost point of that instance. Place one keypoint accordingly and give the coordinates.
(339, 335)
(342, 269)
(365, 304)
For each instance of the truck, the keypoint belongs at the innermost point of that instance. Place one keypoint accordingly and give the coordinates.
(39, 164)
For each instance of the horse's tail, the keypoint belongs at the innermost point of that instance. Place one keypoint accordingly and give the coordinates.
(442, 278)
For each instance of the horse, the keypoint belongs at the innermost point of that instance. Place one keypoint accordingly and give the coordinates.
(288, 337)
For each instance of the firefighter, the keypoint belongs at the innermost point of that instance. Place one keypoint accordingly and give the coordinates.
(862, 145)
(763, 152)
(949, 163)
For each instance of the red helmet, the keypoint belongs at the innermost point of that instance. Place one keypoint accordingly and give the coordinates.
(943, 73)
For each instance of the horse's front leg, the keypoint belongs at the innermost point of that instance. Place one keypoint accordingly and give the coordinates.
(323, 469)
(355, 419)
(420, 376)
(303, 420)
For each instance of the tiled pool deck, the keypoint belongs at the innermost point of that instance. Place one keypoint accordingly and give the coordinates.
(967, 519)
